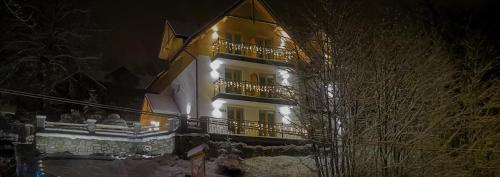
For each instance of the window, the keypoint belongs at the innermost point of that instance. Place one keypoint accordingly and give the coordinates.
(267, 123)
(233, 81)
(235, 120)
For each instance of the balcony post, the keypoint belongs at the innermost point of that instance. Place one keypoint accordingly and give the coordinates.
(137, 127)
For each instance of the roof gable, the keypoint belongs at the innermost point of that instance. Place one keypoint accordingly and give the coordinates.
(252, 9)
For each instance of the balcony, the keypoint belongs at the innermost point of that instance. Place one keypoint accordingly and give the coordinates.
(249, 91)
(254, 128)
(252, 53)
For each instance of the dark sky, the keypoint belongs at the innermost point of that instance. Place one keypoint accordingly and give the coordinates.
(135, 27)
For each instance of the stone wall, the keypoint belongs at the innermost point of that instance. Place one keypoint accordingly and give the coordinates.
(99, 145)
(248, 151)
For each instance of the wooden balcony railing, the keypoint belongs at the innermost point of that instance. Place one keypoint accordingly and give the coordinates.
(252, 50)
(247, 88)
(254, 128)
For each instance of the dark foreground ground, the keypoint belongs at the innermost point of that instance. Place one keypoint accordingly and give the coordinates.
(171, 166)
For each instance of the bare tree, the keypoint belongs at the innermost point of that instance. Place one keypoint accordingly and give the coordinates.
(387, 98)
(43, 43)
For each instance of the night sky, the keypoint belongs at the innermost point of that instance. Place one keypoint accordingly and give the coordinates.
(134, 28)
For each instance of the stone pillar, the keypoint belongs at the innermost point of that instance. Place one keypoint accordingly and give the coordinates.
(174, 124)
(183, 124)
(40, 122)
(137, 127)
(91, 127)
(28, 128)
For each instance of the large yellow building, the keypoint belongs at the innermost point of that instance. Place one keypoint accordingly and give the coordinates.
(232, 70)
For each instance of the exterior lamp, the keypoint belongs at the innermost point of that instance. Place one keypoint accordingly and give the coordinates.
(215, 35)
(285, 75)
(215, 64)
(217, 104)
(214, 74)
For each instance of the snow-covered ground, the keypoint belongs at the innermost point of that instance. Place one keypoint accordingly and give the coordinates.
(170, 166)
(279, 166)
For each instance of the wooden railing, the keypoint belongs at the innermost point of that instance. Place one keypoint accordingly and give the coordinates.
(254, 128)
(252, 50)
(250, 89)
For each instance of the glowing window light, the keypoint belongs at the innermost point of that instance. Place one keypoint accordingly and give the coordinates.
(155, 123)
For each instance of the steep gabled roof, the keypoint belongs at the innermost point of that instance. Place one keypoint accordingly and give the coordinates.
(154, 86)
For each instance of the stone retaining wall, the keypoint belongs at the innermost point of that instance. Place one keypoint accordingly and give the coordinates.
(92, 145)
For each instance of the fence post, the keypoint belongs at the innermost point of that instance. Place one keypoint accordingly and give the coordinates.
(137, 127)
(204, 124)
(183, 123)
(174, 124)
(40, 122)
(91, 127)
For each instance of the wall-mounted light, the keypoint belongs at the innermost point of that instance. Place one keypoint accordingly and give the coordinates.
(330, 90)
(215, 35)
(214, 74)
(215, 64)
(217, 104)
(284, 75)
(188, 108)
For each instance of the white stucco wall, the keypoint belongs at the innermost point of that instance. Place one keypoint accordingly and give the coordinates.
(251, 109)
(184, 90)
